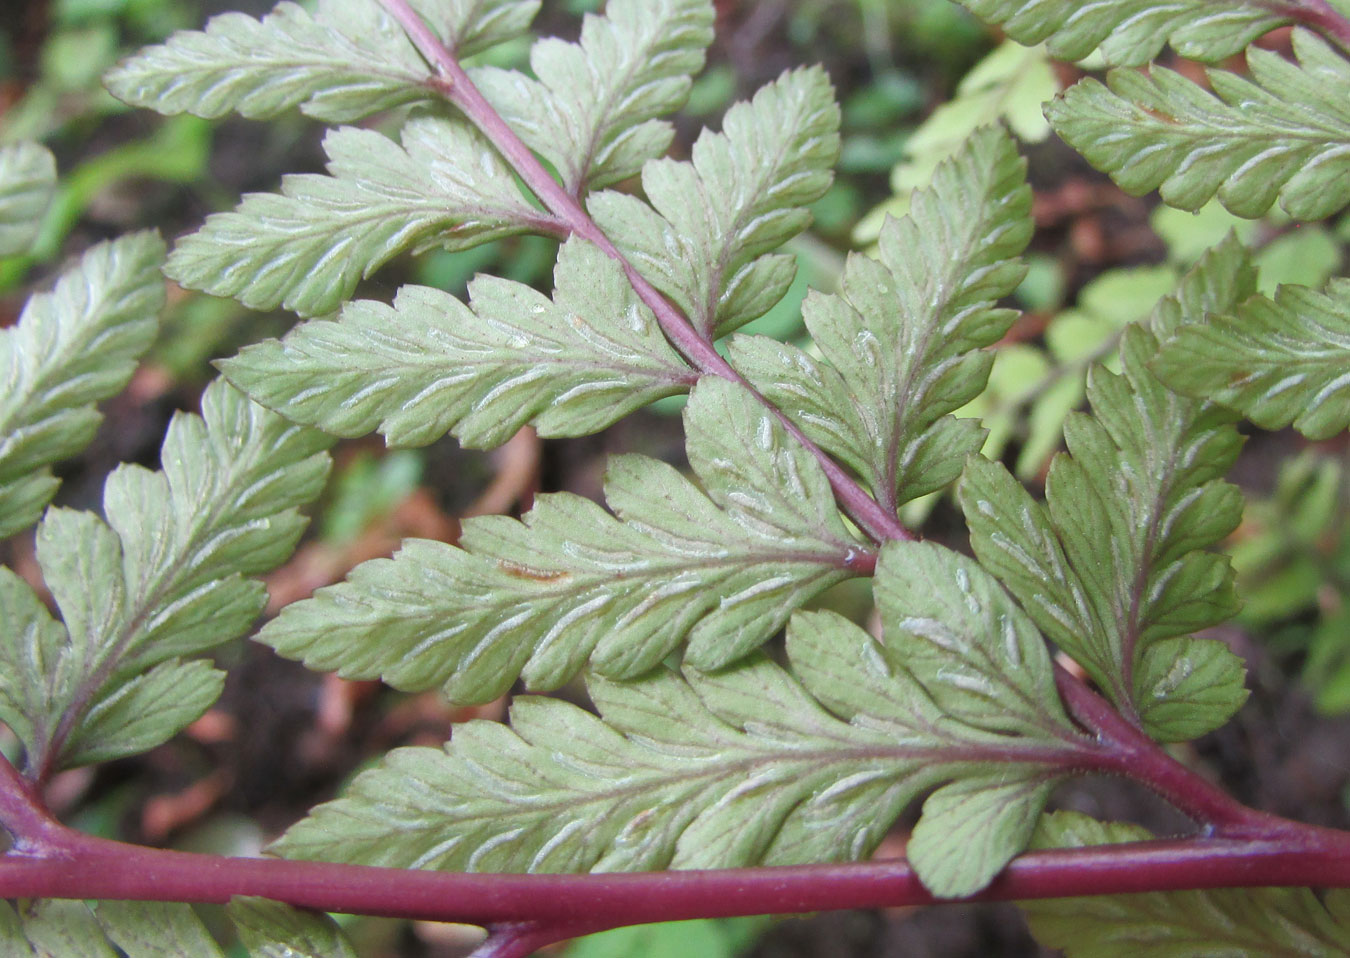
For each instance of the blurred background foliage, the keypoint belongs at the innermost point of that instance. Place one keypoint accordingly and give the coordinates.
(914, 77)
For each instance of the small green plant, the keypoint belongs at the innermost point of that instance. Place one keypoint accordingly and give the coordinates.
(713, 778)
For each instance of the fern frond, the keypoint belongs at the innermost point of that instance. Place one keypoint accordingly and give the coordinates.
(429, 364)
(161, 580)
(705, 239)
(720, 569)
(27, 183)
(592, 111)
(72, 347)
(749, 764)
(1142, 476)
(345, 60)
(1241, 922)
(1284, 134)
(900, 345)
(1279, 361)
(308, 246)
(1132, 32)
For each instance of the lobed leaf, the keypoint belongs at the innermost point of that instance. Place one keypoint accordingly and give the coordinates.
(27, 183)
(1229, 922)
(346, 60)
(706, 238)
(1284, 134)
(1278, 361)
(720, 569)
(1113, 563)
(71, 348)
(308, 246)
(429, 364)
(591, 112)
(899, 346)
(751, 764)
(269, 929)
(145, 929)
(1133, 32)
(163, 579)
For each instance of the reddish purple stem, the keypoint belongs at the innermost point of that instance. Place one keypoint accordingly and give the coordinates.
(456, 86)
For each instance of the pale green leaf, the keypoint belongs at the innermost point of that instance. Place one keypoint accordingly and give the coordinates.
(144, 711)
(706, 243)
(64, 929)
(1283, 134)
(306, 247)
(1132, 32)
(1278, 361)
(1143, 475)
(1223, 923)
(980, 656)
(900, 345)
(27, 182)
(750, 764)
(592, 111)
(971, 828)
(429, 364)
(1188, 687)
(347, 59)
(11, 933)
(269, 929)
(71, 348)
(720, 569)
(161, 580)
(146, 929)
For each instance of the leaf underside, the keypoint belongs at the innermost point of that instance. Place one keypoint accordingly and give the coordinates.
(706, 238)
(72, 347)
(163, 579)
(1280, 361)
(27, 182)
(750, 764)
(1232, 923)
(1132, 32)
(1142, 475)
(307, 247)
(1282, 135)
(344, 61)
(430, 364)
(592, 111)
(719, 568)
(900, 346)
(135, 929)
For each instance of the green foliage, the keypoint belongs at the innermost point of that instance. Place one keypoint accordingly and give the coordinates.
(72, 348)
(124, 929)
(345, 60)
(27, 182)
(707, 748)
(1278, 361)
(163, 579)
(1132, 32)
(1234, 923)
(904, 337)
(591, 112)
(719, 569)
(1284, 134)
(1146, 468)
(429, 363)
(704, 240)
(307, 247)
(763, 765)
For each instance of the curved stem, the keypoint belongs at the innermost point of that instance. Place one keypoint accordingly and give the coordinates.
(548, 905)
(874, 520)
(1320, 16)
